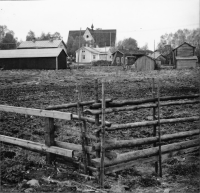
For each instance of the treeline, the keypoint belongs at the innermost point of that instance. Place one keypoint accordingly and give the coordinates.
(9, 41)
(31, 35)
(172, 40)
(7, 38)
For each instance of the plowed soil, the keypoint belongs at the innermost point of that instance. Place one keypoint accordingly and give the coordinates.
(40, 89)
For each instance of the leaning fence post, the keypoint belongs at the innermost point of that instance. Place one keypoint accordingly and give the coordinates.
(159, 132)
(97, 116)
(154, 118)
(102, 137)
(49, 138)
(82, 132)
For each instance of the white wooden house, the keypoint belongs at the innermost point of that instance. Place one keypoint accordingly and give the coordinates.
(88, 54)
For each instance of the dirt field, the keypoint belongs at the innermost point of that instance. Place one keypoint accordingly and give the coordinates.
(39, 89)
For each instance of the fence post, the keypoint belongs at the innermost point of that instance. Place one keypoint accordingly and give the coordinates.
(97, 116)
(154, 118)
(159, 132)
(82, 131)
(102, 137)
(49, 138)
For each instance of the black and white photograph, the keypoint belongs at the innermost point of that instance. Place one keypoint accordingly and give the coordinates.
(100, 96)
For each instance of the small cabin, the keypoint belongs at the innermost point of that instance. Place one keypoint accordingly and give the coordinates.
(145, 63)
(122, 56)
(184, 56)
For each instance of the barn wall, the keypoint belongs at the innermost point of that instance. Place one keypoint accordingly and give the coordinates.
(144, 64)
(185, 50)
(28, 63)
(183, 64)
(62, 62)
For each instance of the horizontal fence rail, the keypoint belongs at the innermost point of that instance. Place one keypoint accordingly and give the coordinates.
(69, 105)
(133, 155)
(117, 109)
(149, 123)
(165, 156)
(36, 112)
(141, 101)
(116, 144)
(38, 147)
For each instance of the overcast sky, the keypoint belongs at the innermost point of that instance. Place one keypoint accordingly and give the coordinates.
(143, 20)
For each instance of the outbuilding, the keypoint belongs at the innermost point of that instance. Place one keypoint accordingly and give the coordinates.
(145, 63)
(122, 56)
(33, 59)
(184, 56)
(158, 57)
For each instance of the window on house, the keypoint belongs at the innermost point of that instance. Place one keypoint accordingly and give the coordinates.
(94, 56)
(83, 56)
(87, 36)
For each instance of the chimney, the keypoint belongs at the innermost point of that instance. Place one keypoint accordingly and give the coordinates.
(51, 39)
(33, 40)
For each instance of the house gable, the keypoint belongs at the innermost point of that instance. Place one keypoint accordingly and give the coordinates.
(88, 36)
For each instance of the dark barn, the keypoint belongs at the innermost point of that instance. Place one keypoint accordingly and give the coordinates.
(50, 59)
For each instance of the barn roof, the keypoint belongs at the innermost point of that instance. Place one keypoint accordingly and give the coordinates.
(30, 53)
(131, 53)
(155, 55)
(40, 44)
(101, 37)
(182, 44)
(147, 57)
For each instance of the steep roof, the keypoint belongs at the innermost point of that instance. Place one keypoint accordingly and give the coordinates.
(30, 53)
(101, 37)
(104, 37)
(40, 44)
(182, 44)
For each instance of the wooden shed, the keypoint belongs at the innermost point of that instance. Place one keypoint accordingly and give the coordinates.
(145, 63)
(122, 56)
(33, 59)
(184, 56)
(160, 59)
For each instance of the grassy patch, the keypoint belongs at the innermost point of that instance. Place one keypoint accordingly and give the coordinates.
(184, 169)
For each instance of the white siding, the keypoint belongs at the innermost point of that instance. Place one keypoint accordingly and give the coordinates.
(87, 35)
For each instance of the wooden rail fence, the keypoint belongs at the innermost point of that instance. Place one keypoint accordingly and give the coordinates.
(106, 160)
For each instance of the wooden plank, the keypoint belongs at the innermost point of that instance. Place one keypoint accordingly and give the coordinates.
(36, 112)
(133, 155)
(33, 146)
(166, 156)
(72, 146)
